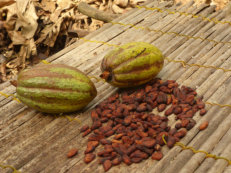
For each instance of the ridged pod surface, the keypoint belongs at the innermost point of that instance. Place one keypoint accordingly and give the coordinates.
(132, 64)
(55, 88)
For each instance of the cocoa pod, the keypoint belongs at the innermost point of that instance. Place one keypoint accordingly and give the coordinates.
(55, 88)
(119, 66)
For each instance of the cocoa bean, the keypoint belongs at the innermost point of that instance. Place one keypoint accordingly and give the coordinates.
(180, 133)
(169, 99)
(95, 137)
(94, 115)
(105, 112)
(105, 142)
(127, 140)
(86, 132)
(161, 98)
(148, 88)
(149, 143)
(117, 161)
(107, 165)
(172, 131)
(131, 149)
(157, 155)
(203, 112)
(153, 95)
(72, 152)
(204, 125)
(96, 124)
(127, 120)
(104, 154)
(145, 149)
(89, 157)
(126, 159)
(91, 145)
(105, 129)
(178, 126)
(171, 141)
(184, 122)
(142, 107)
(169, 111)
(136, 159)
(161, 107)
(84, 128)
(177, 110)
(103, 119)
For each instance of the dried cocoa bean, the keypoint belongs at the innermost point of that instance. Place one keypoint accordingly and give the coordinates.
(96, 124)
(91, 145)
(204, 125)
(86, 132)
(145, 149)
(157, 155)
(148, 88)
(107, 165)
(171, 141)
(180, 133)
(117, 161)
(95, 137)
(136, 159)
(203, 112)
(72, 152)
(84, 128)
(89, 157)
(149, 143)
(172, 131)
(161, 107)
(105, 142)
(178, 126)
(103, 119)
(169, 111)
(184, 122)
(126, 159)
(94, 115)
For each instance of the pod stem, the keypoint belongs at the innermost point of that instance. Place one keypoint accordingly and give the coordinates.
(14, 83)
(106, 75)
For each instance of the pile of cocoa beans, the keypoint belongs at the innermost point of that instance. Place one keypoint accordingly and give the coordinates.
(129, 130)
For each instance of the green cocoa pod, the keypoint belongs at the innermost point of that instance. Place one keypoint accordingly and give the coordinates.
(132, 64)
(55, 88)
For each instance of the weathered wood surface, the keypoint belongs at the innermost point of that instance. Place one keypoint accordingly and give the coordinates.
(34, 142)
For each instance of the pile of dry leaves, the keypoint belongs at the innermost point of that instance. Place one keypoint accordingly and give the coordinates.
(31, 30)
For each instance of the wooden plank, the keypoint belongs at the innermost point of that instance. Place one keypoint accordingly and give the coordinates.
(219, 150)
(59, 135)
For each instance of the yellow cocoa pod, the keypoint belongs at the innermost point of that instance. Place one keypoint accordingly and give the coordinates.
(132, 64)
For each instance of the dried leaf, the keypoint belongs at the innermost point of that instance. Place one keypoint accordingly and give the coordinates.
(64, 4)
(48, 5)
(27, 18)
(4, 3)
